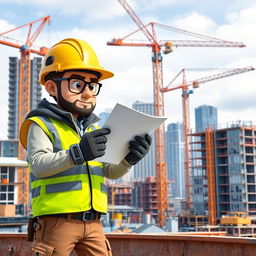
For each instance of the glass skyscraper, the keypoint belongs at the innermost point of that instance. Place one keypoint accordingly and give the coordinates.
(206, 117)
(175, 159)
(145, 167)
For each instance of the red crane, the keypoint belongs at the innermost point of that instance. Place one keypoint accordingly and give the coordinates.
(24, 88)
(186, 91)
(156, 45)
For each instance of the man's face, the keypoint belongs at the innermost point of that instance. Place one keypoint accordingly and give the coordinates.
(79, 104)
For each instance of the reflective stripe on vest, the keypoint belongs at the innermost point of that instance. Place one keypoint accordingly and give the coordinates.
(72, 190)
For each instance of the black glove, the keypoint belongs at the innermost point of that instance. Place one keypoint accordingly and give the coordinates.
(91, 146)
(138, 148)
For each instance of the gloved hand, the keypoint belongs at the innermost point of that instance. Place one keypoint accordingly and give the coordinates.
(91, 146)
(138, 148)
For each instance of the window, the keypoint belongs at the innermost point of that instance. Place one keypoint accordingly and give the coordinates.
(3, 188)
(10, 197)
(7, 179)
(2, 196)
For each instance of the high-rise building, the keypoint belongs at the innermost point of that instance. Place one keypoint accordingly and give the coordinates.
(226, 166)
(175, 159)
(145, 167)
(205, 116)
(35, 92)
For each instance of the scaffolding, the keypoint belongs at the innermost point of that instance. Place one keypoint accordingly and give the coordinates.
(210, 169)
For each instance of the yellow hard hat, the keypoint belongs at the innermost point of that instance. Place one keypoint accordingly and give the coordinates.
(71, 54)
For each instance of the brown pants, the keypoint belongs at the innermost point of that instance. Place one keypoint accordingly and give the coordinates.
(56, 236)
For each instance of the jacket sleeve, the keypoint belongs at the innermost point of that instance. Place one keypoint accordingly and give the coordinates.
(113, 171)
(43, 161)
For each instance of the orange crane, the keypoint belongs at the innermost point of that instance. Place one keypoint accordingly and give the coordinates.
(24, 88)
(156, 46)
(186, 91)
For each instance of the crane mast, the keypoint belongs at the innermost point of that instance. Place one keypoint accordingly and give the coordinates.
(24, 90)
(161, 165)
(186, 131)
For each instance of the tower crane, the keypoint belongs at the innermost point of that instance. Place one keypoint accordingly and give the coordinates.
(25, 48)
(186, 91)
(156, 46)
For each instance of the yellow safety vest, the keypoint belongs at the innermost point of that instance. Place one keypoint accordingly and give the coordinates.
(77, 189)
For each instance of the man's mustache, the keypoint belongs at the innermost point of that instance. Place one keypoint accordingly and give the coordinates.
(86, 106)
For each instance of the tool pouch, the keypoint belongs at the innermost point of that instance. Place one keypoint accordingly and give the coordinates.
(31, 230)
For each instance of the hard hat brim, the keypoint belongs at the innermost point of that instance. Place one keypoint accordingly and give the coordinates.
(104, 74)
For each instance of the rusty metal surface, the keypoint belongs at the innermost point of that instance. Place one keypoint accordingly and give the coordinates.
(200, 233)
(151, 245)
(175, 245)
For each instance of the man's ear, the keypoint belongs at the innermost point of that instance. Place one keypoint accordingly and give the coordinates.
(51, 88)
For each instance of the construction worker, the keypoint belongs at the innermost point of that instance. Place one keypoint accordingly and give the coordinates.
(62, 141)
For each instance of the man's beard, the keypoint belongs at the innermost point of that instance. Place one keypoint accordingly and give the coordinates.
(71, 107)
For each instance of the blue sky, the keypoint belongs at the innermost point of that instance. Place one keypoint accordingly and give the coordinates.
(98, 21)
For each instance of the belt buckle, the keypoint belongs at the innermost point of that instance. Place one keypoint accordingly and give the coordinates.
(87, 216)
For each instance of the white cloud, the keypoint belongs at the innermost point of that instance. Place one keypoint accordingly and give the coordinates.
(241, 25)
(137, 85)
(5, 25)
(195, 22)
(232, 17)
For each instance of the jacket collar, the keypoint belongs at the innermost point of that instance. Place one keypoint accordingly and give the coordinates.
(47, 109)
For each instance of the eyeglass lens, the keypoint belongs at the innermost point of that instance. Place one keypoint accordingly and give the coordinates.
(77, 86)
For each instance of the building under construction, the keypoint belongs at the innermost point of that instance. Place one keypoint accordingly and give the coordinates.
(141, 194)
(223, 172)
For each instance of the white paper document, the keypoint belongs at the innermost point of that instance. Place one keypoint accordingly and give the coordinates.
(125, 123)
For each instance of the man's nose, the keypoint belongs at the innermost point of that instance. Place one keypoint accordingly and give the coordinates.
(86, 93)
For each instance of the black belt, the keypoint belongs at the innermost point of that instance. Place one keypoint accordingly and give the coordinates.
(84, 216)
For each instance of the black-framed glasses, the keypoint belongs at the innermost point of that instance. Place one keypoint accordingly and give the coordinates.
(77, 86)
